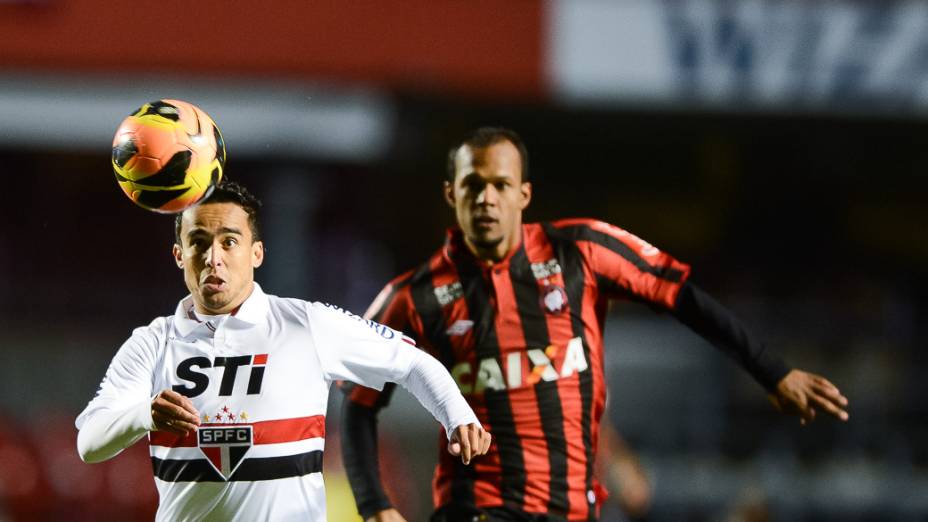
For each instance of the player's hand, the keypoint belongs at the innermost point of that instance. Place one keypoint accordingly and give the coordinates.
(802, 393)
(387, 515)
(468, 441)
(174, 413)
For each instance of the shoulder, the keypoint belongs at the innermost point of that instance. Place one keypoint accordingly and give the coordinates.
(146, 343)
(575, 230)
(323, 314)
(403, 279)
(334, 318)
(289, 308)
(153, 334)
(397, 295)
(391, 294)
(598, 232)
(421, 274)
(581, 228)
(328, 310)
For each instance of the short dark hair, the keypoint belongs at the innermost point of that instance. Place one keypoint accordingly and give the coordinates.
(229, 192)
(483, 138)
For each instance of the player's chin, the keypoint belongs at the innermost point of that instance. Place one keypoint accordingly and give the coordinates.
(486, 238)
(215, 300)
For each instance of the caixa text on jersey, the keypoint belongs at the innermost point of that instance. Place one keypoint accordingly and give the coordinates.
(521, 368)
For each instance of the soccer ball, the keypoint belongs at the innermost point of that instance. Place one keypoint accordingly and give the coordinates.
(168, 155)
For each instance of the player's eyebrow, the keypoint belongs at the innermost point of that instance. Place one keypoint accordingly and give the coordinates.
(203, 232)
(495, 178)
(230, 230)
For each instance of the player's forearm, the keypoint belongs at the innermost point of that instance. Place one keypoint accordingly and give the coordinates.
(719, 326)
(360, 456)
(107, 432)
(433, 386)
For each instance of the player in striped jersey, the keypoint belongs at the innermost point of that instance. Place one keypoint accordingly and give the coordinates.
(515, 311)
(232, 389)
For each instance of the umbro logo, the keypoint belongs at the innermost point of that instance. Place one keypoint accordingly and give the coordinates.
(460, 327)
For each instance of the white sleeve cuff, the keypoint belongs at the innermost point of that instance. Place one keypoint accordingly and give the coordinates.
(431, 384)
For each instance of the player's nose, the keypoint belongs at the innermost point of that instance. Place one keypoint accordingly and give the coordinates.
(214, 255)
(487, 196)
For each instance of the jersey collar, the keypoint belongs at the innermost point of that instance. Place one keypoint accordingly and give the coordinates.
(251, 312)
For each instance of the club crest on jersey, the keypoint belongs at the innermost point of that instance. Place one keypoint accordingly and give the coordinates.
(546, 269)
(225, 446)
(554, 299)
(449, 293)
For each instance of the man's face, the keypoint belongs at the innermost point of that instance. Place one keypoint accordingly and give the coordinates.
(488, 196)
(218, 256)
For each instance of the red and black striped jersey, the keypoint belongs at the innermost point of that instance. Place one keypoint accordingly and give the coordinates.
(523, 339)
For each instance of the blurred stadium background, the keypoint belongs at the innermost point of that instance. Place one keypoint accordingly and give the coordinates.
(778, 146)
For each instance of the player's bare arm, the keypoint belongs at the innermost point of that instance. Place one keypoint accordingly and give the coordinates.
(802, 393)
(174, 413)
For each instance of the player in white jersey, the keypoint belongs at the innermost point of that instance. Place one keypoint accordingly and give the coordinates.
(232, 389)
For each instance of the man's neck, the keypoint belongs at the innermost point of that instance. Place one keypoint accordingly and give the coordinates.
(493, 254)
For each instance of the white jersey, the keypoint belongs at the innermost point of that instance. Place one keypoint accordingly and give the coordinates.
(260, 380)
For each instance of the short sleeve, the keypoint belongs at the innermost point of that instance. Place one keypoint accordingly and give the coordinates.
(359, 350)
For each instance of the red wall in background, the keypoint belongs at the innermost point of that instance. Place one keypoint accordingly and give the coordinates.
(481, 48)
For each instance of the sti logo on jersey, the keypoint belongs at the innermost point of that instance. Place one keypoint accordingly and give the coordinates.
(199, 381)
(225, 446)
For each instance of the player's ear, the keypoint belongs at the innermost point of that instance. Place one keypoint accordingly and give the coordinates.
(526, 192)
(178, 256)
(448, 190)
(257, 254)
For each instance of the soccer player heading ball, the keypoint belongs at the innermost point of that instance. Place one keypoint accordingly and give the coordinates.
(232, 388)
(515, 311)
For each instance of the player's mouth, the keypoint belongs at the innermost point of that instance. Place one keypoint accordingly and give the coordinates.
(213, 284)
(484, 222)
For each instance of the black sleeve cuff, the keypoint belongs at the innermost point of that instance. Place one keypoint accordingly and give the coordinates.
(360, 457)
(715, 323)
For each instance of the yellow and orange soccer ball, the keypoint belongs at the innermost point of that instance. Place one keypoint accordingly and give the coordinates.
(168, 155)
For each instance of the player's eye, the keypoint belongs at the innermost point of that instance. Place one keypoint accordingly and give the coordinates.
(230, 242)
